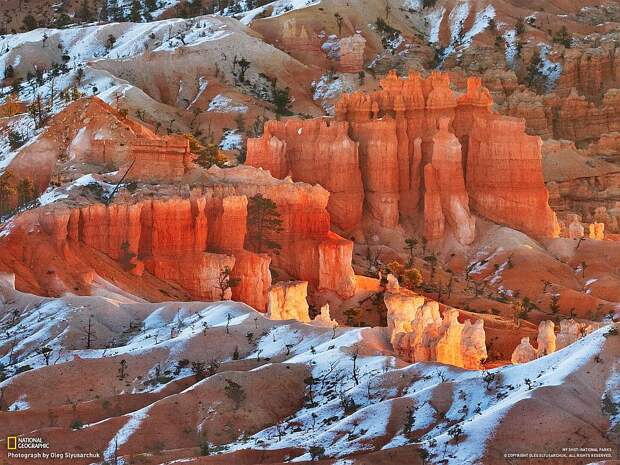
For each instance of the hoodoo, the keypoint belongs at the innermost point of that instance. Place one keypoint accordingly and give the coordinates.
(480, 160)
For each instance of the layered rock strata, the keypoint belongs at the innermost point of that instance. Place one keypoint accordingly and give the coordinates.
(418, 332)
(387, 138)
(287, 301)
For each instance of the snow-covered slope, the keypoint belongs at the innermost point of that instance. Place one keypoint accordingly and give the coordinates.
(358, 399)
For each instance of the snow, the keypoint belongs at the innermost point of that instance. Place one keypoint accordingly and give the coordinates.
(460, 38)
(277, 8)
(330, 87)
(231, 140)
(224, 104)
(481, 22)
(52, 195)
(123, 435)
(24, 125)
(87, 45)
(456, 20)
(331, 47)
(20, 404)
(328, 355)
(203, 83)
(550, 69)
(434, 20)
(510, 37)
(415, 5)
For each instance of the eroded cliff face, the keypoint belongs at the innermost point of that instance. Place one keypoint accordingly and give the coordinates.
(419, 333)
(167, 239)
(317, 152)
(388, 137)
(184, 240)
(572, 117)
(505, 179)
(591, 70)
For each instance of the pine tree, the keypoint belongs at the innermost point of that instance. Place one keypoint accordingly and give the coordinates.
(115, 13)
(535, 78)
(151, 5)
(263, 221)
(6, 191)
(282, 101)
(84, 13)
(103, 12)
(135, 16)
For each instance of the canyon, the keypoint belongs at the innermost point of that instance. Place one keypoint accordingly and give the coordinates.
(315, 231)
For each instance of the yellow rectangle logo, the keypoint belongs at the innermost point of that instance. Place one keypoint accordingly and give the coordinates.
(11, 442)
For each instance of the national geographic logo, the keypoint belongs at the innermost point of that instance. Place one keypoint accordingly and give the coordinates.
(35, 448)
(19, 442)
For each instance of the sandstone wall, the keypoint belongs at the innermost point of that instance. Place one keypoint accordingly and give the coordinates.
(418, 332)
(385, 138)
(504, 176)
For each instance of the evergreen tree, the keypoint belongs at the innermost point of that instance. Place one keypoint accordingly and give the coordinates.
(6, 191)
(282, 101)
(84, 13)
(103, 12)
(9, 72)
(134, 15)
(29, 23)
(263, 222)
(115, 13)
(151, 5)
(535, 78)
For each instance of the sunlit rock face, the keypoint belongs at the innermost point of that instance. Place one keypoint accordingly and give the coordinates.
(385, 141)
(524, 352)
(324, 318)
(504, 176)
(548, 341)
(287, 301)
(418, 332)
(449, 184)
(186, 241)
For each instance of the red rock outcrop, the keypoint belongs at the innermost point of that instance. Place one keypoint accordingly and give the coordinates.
(168, 239)
(504, 176)
(548, 342)
(572, 117)
(418, 332)
(447, 172)
(287, 301)
(580, 120)
(351, 54)
(309, 250)
(396, 129)
(314, 151)
(324, 318)
(184, 240)
(535, 109)
(434, 219)
(590, 70)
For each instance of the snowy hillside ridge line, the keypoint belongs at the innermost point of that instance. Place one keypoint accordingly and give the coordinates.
(84, 43)
(328, 354)
(277, 8)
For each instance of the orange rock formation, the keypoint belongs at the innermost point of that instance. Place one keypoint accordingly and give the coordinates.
(183, 240)
(397, 130)
(287, 301)
(418, 332)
